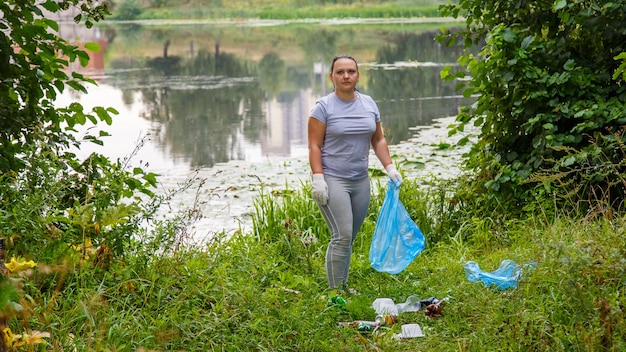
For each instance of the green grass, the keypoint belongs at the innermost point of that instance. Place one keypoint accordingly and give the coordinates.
(266, 291)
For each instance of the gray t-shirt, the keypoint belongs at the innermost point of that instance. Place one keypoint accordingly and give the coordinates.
(349, 129)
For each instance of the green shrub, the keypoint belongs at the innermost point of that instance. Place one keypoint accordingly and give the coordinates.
(550, 113)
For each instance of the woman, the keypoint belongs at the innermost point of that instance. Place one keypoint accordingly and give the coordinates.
(341, 128)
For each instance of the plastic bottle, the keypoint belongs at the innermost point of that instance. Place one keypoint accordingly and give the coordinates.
(385, 319)
(412, 304)
(365, 326)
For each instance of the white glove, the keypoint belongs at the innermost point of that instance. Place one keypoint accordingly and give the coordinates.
(394, 175)
(320, 189)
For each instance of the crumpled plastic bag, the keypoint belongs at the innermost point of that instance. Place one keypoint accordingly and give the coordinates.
(397, 239)
(385, 306)
(506, 276)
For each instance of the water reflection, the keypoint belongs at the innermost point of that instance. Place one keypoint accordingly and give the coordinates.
(232, 101)
(212, 93)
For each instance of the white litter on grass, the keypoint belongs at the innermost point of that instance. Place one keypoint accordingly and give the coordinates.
(409, 331)
(385, 306)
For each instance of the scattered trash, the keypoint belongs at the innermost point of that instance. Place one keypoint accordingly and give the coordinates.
(388, 312)
(412, 304)
(506, 276)
(385, 306)
(336, 301)
(360, 325)
(433, 310)
(409, 331)
(363, 325)
(382, 320)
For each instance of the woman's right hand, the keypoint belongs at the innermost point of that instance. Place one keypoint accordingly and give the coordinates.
(320, 189)
(394, 175)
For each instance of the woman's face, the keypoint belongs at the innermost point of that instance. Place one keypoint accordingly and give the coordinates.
(345, 75)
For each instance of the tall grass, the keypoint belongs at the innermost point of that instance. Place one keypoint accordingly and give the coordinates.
(266, 290)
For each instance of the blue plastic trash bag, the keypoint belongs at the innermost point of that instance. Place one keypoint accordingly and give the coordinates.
(397, 239)
(506, 276)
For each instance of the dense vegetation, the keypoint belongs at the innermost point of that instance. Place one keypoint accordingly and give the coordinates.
(86, 274)
(552, 101)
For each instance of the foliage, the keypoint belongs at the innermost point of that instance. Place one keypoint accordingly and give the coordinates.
(33, 62)
(50, 199)
(551, 100)
(128, 10)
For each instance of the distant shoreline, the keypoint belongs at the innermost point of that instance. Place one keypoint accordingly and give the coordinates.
(256, 22)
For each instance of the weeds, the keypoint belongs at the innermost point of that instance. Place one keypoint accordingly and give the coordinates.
(266, 290)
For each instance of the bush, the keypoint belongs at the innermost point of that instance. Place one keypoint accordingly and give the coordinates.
(551, 115)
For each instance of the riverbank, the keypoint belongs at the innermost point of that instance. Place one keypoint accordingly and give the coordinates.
(256, 22)
(275, 10)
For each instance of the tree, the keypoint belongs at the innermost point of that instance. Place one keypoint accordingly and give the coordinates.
(33, 62)
(44, 187)
(551, 105)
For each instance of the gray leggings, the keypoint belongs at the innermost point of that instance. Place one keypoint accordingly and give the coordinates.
(348, 202)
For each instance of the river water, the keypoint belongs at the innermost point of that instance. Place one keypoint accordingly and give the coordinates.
(222, 108)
